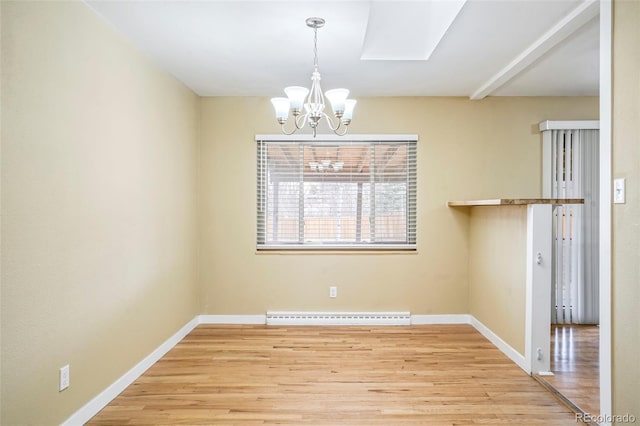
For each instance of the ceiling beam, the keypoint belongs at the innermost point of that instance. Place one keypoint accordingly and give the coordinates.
(579, 16)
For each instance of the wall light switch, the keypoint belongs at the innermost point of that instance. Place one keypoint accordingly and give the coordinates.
(619, 191)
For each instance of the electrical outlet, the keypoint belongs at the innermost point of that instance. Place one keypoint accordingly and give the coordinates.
(333, 292)
(64, 377)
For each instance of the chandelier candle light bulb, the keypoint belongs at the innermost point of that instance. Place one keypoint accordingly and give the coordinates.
(313, 100)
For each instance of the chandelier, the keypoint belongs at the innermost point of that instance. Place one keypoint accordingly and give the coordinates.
(326, 166)
(314, 103)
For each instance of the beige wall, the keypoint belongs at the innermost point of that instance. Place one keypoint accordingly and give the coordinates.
(467, 150)
(498, 270)
(100, 160)
(626, 217)
(99, 175)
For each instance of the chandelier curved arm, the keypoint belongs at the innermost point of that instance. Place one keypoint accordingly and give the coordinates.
(298, 122)
(284, 131)
(337, 127)
(343, 133)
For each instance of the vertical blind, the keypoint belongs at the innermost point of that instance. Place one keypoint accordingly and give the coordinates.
(575, 227)
(336, 193)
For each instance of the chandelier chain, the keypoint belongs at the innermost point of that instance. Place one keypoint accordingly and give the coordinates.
(315, 48)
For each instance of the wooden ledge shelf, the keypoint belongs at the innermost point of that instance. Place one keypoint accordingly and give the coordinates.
(515, 202)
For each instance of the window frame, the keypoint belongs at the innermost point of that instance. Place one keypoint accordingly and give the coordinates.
(368, 139)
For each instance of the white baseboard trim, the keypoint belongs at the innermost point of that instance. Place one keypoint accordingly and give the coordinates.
(440, 319)
(504, 347)
(232, 319)
(91, 408)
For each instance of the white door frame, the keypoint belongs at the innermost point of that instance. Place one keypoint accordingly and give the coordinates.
(605, 205)
(534, 340)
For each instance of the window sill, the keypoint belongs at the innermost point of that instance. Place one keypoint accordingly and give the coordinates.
(336, 251)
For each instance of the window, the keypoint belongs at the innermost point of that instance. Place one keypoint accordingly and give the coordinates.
(349, 192)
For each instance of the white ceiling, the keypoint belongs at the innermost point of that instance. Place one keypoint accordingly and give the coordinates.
(256, 48)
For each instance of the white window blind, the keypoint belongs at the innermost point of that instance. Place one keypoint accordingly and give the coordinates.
(328, 193)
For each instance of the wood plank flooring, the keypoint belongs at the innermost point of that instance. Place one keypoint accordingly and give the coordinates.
(575, 364)
(255, 375)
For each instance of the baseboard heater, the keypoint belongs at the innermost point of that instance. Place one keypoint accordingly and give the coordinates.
(338, 318)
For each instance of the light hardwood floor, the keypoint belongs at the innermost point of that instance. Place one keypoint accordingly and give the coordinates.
(575, 364)
(253, 375)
